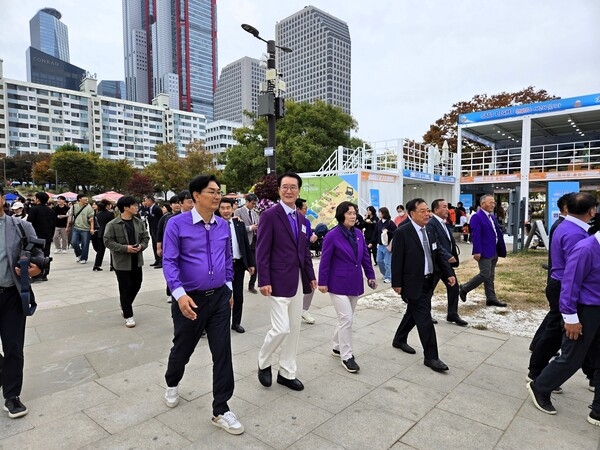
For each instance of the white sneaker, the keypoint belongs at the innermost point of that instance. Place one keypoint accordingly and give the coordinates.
(82, 261)
(129, 322)
(170, 300)
(308, 318)
(229, 423)
(63, 251)
(58, 250)
(172, 397)
(387, 280)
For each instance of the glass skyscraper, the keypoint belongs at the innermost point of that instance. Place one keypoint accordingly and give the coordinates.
(49, 34)
(171, 48)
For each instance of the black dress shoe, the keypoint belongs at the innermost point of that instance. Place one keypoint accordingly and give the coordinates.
(457, 320)
(495, 303)
(238, 328)
(295, 384)
(435, 364)
(154, 264)
(97, 269)
(158, 266)
(265, 377)
(462, 294)
(434, 321)
(404, 347)
(253, 290)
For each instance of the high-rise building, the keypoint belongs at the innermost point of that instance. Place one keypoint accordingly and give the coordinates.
(112, 88)
(171, 48)
(49, 34)
(237, 90)
(47, 59)
(319, 66)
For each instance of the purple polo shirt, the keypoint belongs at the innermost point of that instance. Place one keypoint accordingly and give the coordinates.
(567, 234)
(196, 256)
(581, 280)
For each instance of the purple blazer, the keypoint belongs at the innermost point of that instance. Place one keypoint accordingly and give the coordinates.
(484, 238)
(279, 255)
(340, 270)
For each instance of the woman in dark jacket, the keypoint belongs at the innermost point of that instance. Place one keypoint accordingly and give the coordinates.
(367, 225)
(382, 241)
(102, 217)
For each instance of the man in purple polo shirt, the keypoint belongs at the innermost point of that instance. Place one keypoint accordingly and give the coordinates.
(198, 268)
(580, 308)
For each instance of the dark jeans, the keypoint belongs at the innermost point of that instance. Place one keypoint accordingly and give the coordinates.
(418, 312)
(239, 270)
(12, 334)
(130, 282)
(214, 313)
(573, 354)
(551, 337)
(252, 281)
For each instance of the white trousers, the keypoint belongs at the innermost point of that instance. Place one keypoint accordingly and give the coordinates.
(342, 338)
(286, 315)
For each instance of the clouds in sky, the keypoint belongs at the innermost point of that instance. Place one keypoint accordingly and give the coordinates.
(411, 59)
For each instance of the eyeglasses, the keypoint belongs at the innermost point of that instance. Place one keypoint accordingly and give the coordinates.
(289, 188)
(213, 193)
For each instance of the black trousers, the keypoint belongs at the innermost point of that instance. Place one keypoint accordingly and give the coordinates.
(452, 293)
(100, 250)
(213, 312)
(130, 282)
(239, 271)
(12, 334)
(573, 354)
(418, 312)
(153, 236)
(252, 281)
(551, 338)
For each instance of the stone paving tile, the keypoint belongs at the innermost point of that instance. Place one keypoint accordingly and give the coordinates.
(441, 429)
(373, 371)
(146, 435)
(498, 379)
(526, 434)
(56, 376)
(10, 427)
(488, 407)
(404, 399)
(285, 421)
(73, 431)
(224, 441)
(422, 375)
(128, 410)
(312, 442)
(252, 391)
(333, 392)
(362, 426)
(64, 403)
(464, 358)
(123, 382)
(478, 342)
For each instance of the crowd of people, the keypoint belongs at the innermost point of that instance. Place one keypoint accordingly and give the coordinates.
(205, 245)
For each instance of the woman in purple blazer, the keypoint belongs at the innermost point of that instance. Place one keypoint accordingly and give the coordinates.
(345, 255)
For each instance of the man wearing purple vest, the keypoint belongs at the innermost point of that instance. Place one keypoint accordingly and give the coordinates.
(488, 246)
(285, 273)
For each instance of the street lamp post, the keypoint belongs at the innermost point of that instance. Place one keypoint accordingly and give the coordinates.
(270, 103)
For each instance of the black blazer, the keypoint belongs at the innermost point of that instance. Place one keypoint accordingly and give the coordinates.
(447, 247)
(243, 243)
(408, 261)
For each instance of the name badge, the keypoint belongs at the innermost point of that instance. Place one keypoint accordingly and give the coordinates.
(304, 229)
(434, 246)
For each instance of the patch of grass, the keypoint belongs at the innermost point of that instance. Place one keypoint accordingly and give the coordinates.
(520, 279)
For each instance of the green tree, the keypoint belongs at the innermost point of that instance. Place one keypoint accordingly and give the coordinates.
(75, 168)
(113, 175)
(168, 173)
(198, 160)
(306, 137)
(446, 128)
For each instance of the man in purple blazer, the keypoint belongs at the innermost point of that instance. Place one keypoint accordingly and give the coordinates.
(488, 246)
(285, 273)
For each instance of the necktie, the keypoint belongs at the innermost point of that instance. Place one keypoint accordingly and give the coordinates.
(293, 224)
(427, 250)
(493, 226)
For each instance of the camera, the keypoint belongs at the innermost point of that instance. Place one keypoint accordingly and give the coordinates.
(32, 251)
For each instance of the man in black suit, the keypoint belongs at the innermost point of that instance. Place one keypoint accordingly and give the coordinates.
(153, 214)
(243, 260)
(447, 247)
(43, 220)
(415, 258)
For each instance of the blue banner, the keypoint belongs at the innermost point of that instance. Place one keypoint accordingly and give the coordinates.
(467, 200)
(529, 109)
(374, 194)
(556, 189)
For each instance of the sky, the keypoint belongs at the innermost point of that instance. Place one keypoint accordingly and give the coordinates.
(411, 59)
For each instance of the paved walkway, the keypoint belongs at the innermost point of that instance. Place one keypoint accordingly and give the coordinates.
(90, 382)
